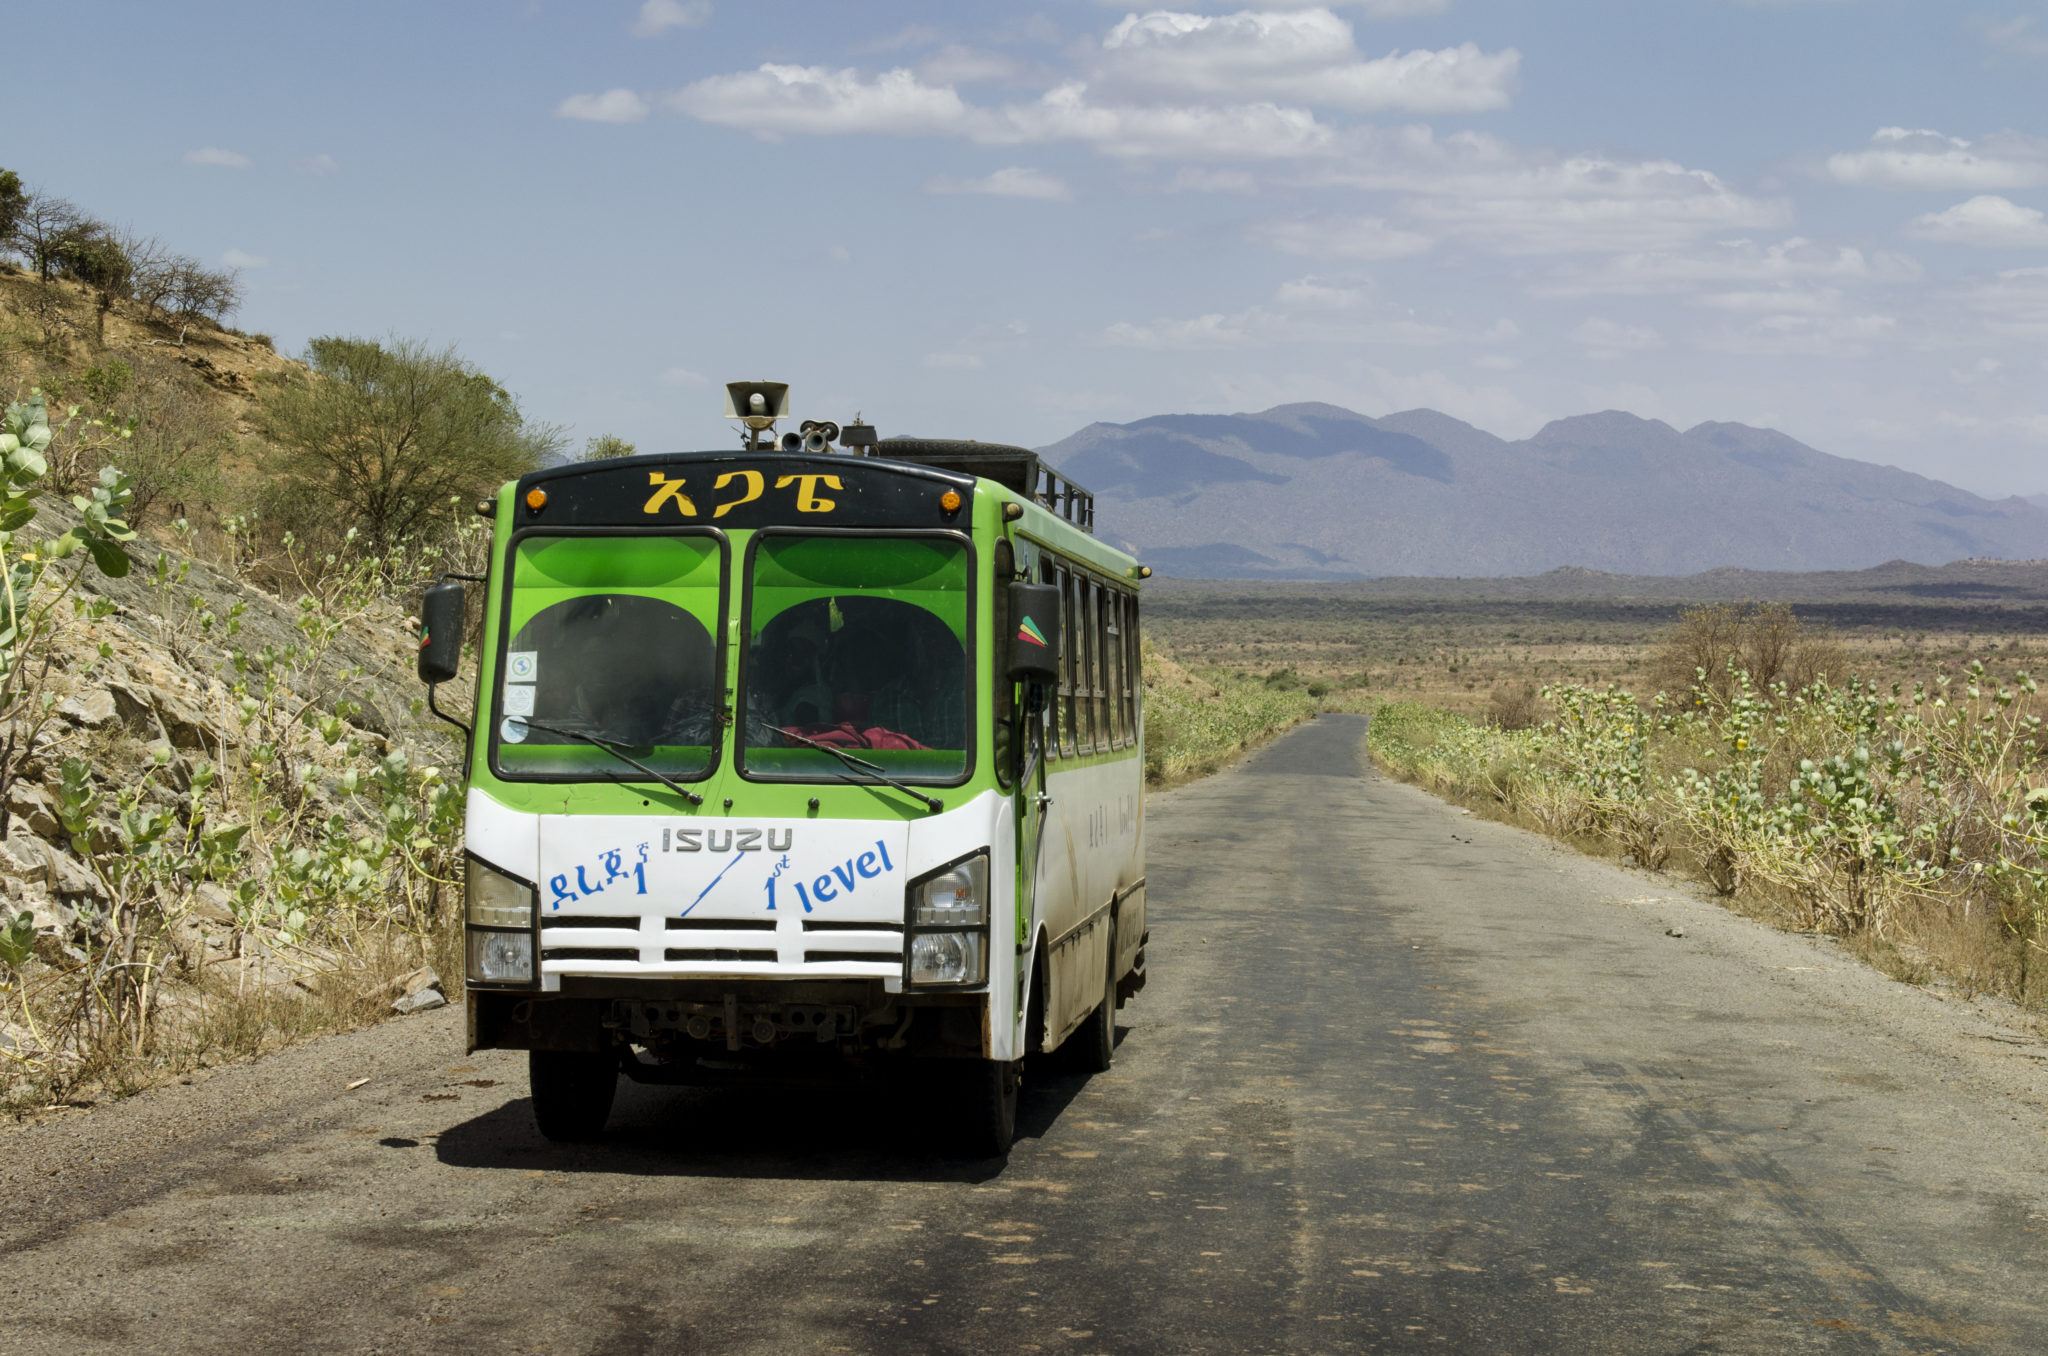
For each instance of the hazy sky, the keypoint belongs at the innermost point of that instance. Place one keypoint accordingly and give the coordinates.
(1005, 220)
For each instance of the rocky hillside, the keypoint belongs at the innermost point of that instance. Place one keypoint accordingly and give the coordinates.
(1316, 491)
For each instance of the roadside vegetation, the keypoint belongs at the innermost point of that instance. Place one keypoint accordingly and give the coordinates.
(225, 821)
(1195, 722)
(1909, 816)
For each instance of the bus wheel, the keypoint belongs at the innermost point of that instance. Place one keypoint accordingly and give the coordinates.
(1095, 1043)
(572, 1092)
(988, 1106)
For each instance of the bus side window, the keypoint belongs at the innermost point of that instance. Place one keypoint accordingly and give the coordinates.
(1098, 665)
(1084, 687)
(1002, 707)
(1113, 666)
(1065, 717)
(1134, 658)
(1120, 690)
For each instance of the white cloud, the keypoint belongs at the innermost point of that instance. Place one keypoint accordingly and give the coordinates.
(317, 165)
(839, 254)
(954, 64)
(1311, 310)
(1016, 181)
(1591, 205)
(614, 105)
(1800, 336)
(1193, 179)
(2012, 304)
(1610, 339)
(778, 100)
(1204, 331)
(1305, 57)
(1255, 131)
(659, 16)
(1902, 158)
(953, 362)
(1369, 9)
(1776, 300)
(1987, 220)
(1743, 265)
(218, 158)
(241, 259)
(682, 378)
(1885, 430)
(1340, 238)
(1313, 294)
(2016, 35)
(1380, 9)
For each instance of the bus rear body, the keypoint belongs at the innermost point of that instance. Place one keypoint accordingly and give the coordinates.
(759, 790)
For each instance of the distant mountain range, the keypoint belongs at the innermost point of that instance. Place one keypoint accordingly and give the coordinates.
(1317, 491)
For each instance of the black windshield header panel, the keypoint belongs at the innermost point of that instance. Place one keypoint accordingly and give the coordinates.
(743, 490)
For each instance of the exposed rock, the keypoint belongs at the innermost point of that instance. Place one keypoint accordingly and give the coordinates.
(426, 1000)
(59, 870)
(17, 1040)
(35, 807)
(418, 981)
(210, 902)
(92, 708)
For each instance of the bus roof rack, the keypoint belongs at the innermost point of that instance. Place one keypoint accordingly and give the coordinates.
(1014, 468)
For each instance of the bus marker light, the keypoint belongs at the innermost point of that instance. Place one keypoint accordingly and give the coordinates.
(950, 501)
(536, 499)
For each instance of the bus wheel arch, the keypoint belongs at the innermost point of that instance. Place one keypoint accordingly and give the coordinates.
(1036, 1003)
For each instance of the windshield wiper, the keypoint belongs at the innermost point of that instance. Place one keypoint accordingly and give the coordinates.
(618, 751)
(879, 775)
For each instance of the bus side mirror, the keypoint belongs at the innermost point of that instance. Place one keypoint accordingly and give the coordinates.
(441, 632)
(1034, 634)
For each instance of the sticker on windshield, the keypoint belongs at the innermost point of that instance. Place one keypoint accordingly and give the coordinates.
(522, 666)
(512, 730)
(518, 699)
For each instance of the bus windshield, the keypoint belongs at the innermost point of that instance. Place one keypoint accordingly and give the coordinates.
(612, 640)
(858, 643)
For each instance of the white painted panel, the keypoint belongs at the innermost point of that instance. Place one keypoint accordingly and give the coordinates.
(723, 868)
(507, 839)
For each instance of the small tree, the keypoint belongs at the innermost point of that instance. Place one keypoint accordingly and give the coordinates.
(606, 446)
(1768, 641)
(40, 226)
(205, 293)
(384, 433)
(13, 201)
(92, 254)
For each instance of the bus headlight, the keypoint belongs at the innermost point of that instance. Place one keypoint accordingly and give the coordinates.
(947, 927)
(947, 958)
(501, 957)
(500, 913)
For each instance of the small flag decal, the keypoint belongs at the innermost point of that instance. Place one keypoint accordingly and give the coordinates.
(1029, 632)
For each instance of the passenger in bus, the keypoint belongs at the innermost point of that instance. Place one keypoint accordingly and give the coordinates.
(891, 675)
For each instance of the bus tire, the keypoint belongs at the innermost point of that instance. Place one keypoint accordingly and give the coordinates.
(988, 1106)
(572, 1092)
(1095, 1041)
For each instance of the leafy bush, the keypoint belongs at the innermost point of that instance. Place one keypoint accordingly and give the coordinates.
(382, 434)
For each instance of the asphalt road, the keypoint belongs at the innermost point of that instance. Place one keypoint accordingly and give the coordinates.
(1403, 1081)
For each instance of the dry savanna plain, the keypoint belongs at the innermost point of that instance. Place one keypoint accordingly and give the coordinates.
(1455, 643)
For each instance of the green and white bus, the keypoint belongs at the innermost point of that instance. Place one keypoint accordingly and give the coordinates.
(796, 765)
